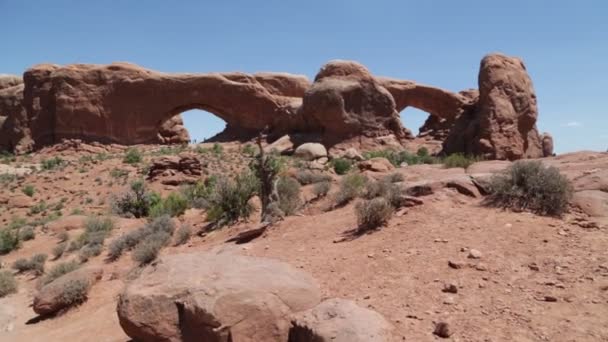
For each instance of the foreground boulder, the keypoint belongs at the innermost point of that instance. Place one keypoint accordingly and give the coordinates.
(66, 291)
(215, 297)
(311, 151)
(339, 320)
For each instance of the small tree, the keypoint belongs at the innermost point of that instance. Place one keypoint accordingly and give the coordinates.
(266, 168)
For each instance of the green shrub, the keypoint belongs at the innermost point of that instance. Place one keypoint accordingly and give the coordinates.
(7, 178)
(341, 165)
(95, 232)
(29, 190)
(173, 205)
(399, 157)
(351, 186)
(136, 202)
(27, 233)
(321, 189)
(89, 251)
(249, 150)
(132, 156)
(59, 270)
(34, 264)
(229, 201)
(394, 177)
(51, 164)
(288, 191)
(182, 235)
(9, 240)
(197, 195)
(373, 213)
(59, 249)
(383, 188)
(118, 173)
(74, 292)
(63, 236)
(8, 284)
(459, 160)
(217, 149)
(529, 185)
(422, 152)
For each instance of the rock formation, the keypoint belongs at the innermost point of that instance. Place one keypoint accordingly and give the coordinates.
(503, 123)
(126, 104)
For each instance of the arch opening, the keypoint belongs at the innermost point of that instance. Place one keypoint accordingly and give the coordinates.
(413, 119)
(202, 125)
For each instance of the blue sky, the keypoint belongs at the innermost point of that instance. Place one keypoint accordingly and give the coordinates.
(563, 43)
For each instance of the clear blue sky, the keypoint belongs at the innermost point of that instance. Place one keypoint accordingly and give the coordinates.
(563, 43)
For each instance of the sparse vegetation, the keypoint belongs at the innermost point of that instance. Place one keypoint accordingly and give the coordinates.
(459, 160)
(74, 292)
(29, 190)
(288, 192)
(529, 185)
(321, 189)
(182, 235)
(9, 240)
(7, 178)
(373, 213)
(35, 264)
(341, 165)
(8, 284)
(400, 157)
(160, 228)
(59, 249)
(136, 202)
(27, 233)
(173, 205)
(91, 241)
(229, 201)
(52, 163)
(197, 195)
(249, 150)
(217, 149)
(59, 270)
(351, 186)
(383, 188)
(132, 156)
(38, 208)
(394, 177)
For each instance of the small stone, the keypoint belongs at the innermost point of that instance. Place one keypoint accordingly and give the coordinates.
(443, 330)
(508, 225)
(550, 299)
(474, 254)
(534, 267)
(450, 288)
(448, 301)
(481, 267)
(455, 264)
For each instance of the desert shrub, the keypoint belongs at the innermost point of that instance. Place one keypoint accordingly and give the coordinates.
(119, 173)
(288, 191)
(8, 284)
(89, 251)
(38, 208)
(321, 189)
(147, 250)
(529, 185)
(182, 235)
(173, 205)
(373, 213)
(132, 156)
(135, 202)
(59, 249)
(52, 163)
(383, 188)
(34, 264)
(394, 177)
(229, 201)
(162, 226)
(27, 233)
(459, 160)
(6, 178)
(74, 292)
(63, 236)
(306, 177)
(59, 270)
(351, 186)
(217, 149)
(422, 152)
(29, 190)
(399, 157)
(341, 165)
(9, 240)
(249, 150)
(198, 194)
(92, 239)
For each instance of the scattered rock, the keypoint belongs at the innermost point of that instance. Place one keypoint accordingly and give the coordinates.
(455, 264)
(20, 201)
(283, 145)
(443, 330)
(474, 254)
(175, 170)
(311, 151)
(339, 320)
(450, 288)
(550, 299)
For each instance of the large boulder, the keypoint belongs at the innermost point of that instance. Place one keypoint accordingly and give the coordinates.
(346, 101)
(215, 297)
(339, 320)
(57, 295)
(547, 144)
(378, 164)
(311, 151)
